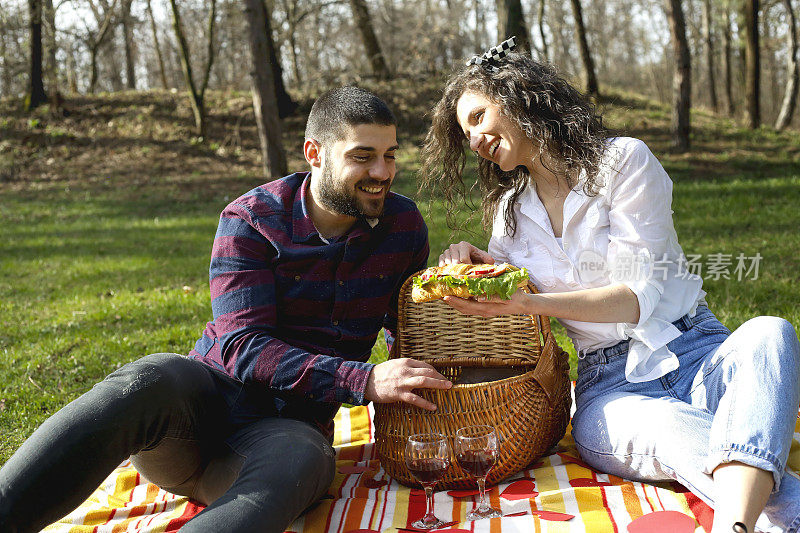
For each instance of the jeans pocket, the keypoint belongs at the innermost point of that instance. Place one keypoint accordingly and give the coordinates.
(588, 377)
(708, 323)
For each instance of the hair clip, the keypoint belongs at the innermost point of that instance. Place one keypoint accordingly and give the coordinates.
(493, 55)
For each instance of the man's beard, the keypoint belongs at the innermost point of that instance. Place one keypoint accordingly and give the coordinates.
(334, 195)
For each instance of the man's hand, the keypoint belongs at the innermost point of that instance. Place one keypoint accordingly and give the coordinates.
(395, 379)
(464, 253)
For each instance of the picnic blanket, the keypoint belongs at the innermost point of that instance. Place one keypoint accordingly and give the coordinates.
(362, 497)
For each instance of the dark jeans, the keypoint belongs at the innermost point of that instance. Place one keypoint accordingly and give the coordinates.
(190, 430)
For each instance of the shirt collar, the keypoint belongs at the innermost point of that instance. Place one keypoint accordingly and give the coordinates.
(303, 227)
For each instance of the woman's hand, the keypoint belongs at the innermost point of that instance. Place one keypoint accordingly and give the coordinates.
(464, 253)
(519, 304)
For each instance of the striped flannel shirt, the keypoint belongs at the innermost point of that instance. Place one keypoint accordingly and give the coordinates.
(296, 317)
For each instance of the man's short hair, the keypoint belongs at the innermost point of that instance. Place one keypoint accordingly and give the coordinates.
(345, 107)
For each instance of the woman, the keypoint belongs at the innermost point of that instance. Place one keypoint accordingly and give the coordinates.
(664, 390)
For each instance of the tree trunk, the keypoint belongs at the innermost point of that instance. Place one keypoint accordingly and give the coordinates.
(197, 96)
(263, 87)
(50, 64)
(97, 42)
(36, 95)
(511, 21)
(127, 34)
(726, 60)
(583, 45)
(5, 72)
(373, 49)
(792, 71)
(708, 38)
(752, 64)
(681, 81)
(541, 31)
(161, 69)
(286, 105)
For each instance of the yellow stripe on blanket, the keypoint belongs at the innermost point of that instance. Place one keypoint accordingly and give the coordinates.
(371, 500)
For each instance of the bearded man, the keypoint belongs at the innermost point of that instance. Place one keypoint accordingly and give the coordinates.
(305, 271)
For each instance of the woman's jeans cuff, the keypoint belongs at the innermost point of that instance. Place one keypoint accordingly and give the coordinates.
(749, 455)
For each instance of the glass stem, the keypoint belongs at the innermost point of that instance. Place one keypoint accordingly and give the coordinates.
(483, 505)
(429, 503)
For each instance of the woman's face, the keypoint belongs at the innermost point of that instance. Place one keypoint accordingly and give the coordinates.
(491, 134)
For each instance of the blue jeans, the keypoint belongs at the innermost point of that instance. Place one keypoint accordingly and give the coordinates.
(734, 398)
(190, 430)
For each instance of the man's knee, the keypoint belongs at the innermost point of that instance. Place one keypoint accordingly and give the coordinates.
(160, 378)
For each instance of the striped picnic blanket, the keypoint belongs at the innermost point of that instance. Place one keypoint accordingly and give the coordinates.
(363, 497)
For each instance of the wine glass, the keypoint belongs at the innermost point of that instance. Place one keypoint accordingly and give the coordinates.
(427, 458)
(476, 451)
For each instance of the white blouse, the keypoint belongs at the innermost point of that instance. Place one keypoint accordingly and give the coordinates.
(624, 234)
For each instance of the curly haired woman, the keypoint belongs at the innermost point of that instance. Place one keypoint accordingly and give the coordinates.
(664, 390)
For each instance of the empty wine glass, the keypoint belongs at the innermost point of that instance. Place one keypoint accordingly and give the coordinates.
(427, 458)
(476, 451)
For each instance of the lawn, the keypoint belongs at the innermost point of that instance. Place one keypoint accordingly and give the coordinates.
(107, 218)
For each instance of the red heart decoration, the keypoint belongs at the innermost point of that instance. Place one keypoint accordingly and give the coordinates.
(662, 522)
(520, 490)
(553, 516)
(588, 482)
(463, 493)
(372, 483)
(354, 469)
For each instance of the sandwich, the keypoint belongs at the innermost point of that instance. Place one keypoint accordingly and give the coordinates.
(465, 281)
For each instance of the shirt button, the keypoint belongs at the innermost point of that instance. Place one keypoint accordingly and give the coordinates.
(297, 278)
(335, 322)
(341, 283)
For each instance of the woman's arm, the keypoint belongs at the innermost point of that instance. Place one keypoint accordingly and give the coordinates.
(612, 303)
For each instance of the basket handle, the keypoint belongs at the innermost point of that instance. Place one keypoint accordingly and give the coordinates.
(547, 369)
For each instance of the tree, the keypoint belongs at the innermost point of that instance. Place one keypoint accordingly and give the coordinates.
(127, 35)
(727, 51)
(583, 45)
(373, 49)
(681, 80)
(792, 71)
(197, 95)
(545, 52)
(263, 87)
(36, 95)
(752, 88)
(511, 21)
(157, 46)
(96, 39)
(708, 39)
(50, 46)
(286, 105)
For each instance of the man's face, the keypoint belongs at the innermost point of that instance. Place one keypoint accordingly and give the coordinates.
(357, 171)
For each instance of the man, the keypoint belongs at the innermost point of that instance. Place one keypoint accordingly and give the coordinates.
(304, 273)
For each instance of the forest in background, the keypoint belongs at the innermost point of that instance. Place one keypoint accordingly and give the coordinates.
(737, 58)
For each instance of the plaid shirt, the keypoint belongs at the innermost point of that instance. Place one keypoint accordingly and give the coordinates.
(295, 315)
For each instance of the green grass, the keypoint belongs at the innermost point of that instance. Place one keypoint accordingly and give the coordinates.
(107, 219)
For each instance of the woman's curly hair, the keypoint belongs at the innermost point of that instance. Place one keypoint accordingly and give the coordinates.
(551, 112)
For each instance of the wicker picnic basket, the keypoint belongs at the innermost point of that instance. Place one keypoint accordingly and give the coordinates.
(529, 410)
